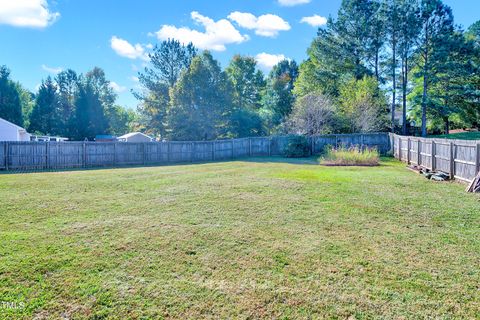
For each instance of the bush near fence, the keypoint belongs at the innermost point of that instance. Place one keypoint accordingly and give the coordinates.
(459, 158)
(65, 155)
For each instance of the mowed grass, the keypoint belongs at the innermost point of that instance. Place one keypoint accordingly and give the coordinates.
(460, 136)
(264, 238)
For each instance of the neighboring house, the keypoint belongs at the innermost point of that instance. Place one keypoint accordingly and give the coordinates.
(135, 137)
(48, 138)
(12, 132)
(105, 138)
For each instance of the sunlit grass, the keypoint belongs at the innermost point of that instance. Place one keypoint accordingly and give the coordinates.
(267, 238)
(474, 135)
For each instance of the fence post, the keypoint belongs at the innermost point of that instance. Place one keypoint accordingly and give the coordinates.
(409, 156)
(249, 147)
(312, 145)
(192, 154)
(452, 160)
(114, 154)
(392, 141)
(477, 159)
(84, 160)
(419, 152)
(7, 155)
(233, 151)
(46, 154)
(434, 153)
(213, 150)
(400, 148)
(168, 151)
(269, 146)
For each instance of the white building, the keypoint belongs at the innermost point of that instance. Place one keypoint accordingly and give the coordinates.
(135, 137)
(12, 132)
(48, 139)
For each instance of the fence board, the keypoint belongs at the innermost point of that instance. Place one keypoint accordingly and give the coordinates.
(3, 157)
(63, 155)
(460, 158)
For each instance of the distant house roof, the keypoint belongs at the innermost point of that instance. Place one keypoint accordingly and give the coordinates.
(131, 134)
(105, 137)
(12, 124)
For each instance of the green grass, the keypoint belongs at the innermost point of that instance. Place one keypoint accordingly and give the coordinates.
(259, 239)
(353, 156)
(460, 136)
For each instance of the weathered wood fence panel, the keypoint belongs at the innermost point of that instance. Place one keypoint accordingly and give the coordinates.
(380, 141)
(459, 158)
(63, 155)
(3, 157)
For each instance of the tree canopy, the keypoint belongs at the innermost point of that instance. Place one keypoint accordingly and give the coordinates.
(379, 63)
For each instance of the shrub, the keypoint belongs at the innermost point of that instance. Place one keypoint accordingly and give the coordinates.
(313, 114)
(297, 147)
(352, 156)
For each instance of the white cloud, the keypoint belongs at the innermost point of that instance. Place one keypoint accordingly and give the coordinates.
(315, 20)
(53, 70)
(116, 87)
(267, 25)
(134, 79)
(267, 61)
(26, 13)
(291, 3)
(126, 49)
(216, 36)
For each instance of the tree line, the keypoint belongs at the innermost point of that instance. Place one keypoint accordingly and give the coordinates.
(76, 106)
(377, 59)
(428, 66)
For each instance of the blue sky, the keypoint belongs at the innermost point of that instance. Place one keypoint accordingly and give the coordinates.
(40, 37)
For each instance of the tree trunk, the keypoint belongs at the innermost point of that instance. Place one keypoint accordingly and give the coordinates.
(447, 125)
(404, 97)
(425, 84)
(394, 79)
(424, 105)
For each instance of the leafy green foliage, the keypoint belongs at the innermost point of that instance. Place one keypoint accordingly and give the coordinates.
(247, 84)
(167, 62)
(44, 118)
(119, 120)
(407, 46)
(67, 89)
(199, 101)
(472, 135)
(436, 25)
(90, 116)
(78, 107)
(297, 147)
(363, 105)
(10, 102)
(278, 99)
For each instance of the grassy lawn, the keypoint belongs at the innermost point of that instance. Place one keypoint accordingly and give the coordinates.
(460, 136)
(253, 239)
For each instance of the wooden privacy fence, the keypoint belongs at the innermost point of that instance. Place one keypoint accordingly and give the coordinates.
(64, 155)
(459, 158)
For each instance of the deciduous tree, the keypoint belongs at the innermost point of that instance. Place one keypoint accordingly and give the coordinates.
(10, 103)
